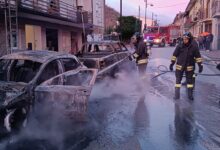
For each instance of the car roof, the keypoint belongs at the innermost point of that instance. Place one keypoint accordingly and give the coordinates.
(40, 56)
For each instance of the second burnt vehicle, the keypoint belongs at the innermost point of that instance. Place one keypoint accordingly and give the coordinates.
(41, 78)
(107, 56)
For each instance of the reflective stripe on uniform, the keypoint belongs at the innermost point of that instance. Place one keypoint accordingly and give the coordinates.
(189, 85)
(173, 58)
(190, 68)
(142, 61)
(178, 85)
(198, 60)
(135, 55)
(178, 67)
(194, 75)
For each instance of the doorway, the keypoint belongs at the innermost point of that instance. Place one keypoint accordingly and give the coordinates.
(52, 39)
(33, 37)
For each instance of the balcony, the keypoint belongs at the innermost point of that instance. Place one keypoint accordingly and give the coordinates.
(215, 8)
(54, 8)
(188, 22)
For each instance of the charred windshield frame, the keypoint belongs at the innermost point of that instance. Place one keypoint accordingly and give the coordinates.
(23, 70)
(18, 70)
(97, 47)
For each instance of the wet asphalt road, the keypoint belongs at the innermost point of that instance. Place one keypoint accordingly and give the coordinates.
(131, 114)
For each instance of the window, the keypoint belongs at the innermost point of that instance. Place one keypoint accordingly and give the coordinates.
(24, 70)
(99, 47)
(51, 70)
(152, 30)
(69, 64)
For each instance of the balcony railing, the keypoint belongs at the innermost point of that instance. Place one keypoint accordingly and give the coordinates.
(215, 8)
(52, 7)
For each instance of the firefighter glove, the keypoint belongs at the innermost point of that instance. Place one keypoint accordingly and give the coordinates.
(171, 66)
(200, 68)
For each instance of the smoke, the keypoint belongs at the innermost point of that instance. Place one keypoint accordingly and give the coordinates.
(126, 84)
(49, 129)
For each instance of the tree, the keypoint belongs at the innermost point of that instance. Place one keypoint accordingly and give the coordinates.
(129, 25)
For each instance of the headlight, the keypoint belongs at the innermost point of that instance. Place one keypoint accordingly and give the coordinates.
(157, 40)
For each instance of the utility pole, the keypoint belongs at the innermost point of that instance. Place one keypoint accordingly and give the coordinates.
(146, 4)
(139, 18)
(120, 8)
(152, 19)
(120, 15)
(145, 18)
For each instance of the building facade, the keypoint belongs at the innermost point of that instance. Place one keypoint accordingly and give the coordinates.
(215, 13)
(98, 16)
(111, 18)
(179, 21)
(58, 25)
(203, 16)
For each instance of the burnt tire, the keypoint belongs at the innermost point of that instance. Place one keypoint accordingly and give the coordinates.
(16, 119)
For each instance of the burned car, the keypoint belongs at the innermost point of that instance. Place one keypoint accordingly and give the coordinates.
(22, 73)
(106, 56)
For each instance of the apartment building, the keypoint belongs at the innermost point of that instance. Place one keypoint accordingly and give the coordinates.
(111, 18)
(215, 13)
(58, 25)
(204, 16)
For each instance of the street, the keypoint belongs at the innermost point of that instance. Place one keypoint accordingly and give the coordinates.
(148, 118)
(129, 114)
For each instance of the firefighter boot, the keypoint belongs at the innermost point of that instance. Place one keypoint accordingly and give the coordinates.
(177, 94)
(190, 94)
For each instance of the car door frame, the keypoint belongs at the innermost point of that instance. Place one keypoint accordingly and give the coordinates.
(81, 91)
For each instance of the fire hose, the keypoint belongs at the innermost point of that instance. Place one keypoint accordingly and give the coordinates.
(165, 70)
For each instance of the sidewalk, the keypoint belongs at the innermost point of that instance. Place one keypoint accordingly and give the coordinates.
(212, 55)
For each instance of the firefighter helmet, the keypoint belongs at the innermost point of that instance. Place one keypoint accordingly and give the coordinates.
(188, 35)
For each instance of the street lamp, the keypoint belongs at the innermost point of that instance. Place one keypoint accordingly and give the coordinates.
(146, 4)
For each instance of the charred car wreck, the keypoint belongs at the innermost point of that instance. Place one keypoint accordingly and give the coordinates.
(106, 56)
(30, 77)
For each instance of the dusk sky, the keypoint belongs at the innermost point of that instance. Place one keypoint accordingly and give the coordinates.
(165, 9)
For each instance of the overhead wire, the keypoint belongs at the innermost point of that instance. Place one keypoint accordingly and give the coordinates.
(178, 4)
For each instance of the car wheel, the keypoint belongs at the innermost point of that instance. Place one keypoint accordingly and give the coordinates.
(16, 119)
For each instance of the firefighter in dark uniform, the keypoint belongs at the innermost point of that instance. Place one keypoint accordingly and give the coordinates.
(185, 56)
(141, 54)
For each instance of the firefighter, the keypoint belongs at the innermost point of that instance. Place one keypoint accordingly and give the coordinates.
(141, 54)
(186, 55)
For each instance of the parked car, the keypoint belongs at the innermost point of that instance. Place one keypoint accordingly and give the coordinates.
(28, 77)
(106, 56)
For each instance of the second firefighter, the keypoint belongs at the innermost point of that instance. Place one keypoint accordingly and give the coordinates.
(185, 56)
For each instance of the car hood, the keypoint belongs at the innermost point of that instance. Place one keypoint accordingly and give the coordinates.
(10, 90)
